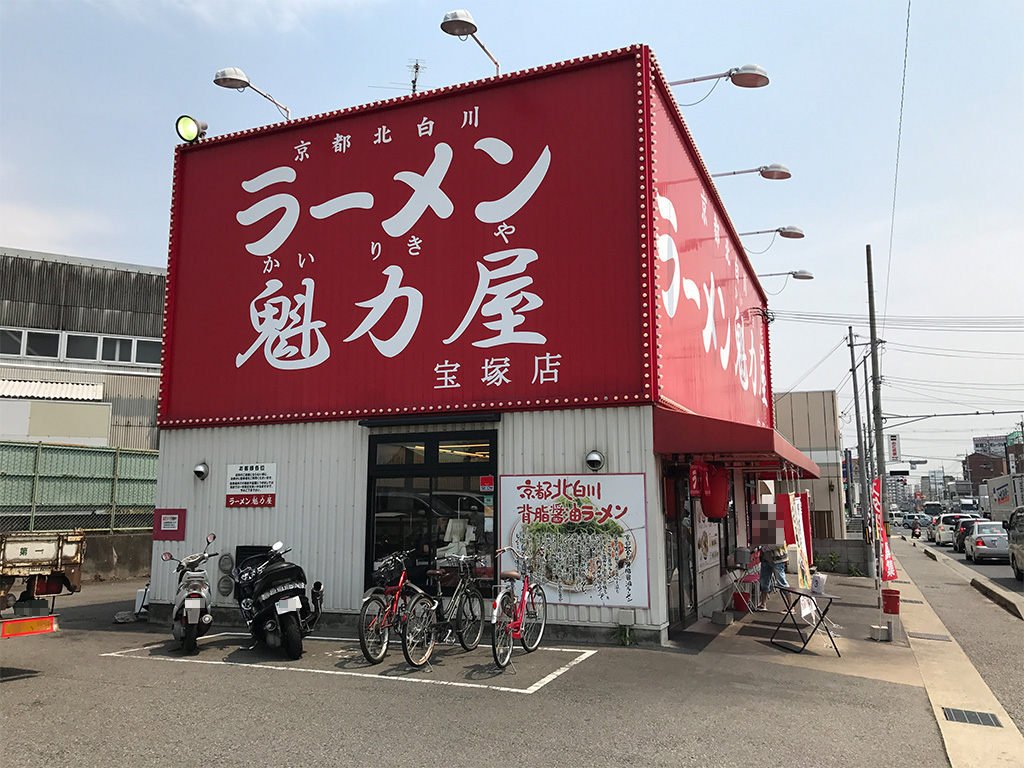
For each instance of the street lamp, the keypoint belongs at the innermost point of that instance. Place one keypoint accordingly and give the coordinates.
(791, 233)
(233, 77)
(747, 76)
(799, 274)
(773, 171)
(460, 24)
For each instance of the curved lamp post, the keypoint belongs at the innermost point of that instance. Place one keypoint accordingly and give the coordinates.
(790, 233)
(747, 76)
(460, 24)
(233, 77)
(798, 274)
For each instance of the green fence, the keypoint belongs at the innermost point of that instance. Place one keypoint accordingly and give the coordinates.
(59, 487)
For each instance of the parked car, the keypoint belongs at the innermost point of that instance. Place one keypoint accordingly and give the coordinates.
(1015, 535)
(963, 530)
(988, 541)
(946, 526)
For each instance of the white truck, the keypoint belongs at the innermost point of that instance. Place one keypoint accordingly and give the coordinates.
(47, 562)
(1005, 494)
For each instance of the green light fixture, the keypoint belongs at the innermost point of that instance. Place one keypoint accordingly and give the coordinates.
(189, 129)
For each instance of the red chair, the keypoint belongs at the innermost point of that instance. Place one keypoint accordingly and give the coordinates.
(746, 580)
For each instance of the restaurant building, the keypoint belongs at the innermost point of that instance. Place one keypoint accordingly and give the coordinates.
(512, 311)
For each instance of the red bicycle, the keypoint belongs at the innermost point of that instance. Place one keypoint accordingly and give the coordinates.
(386, 606)
(522, 618)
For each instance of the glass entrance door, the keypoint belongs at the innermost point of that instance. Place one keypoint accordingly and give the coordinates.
(432, 494)
(681, 567)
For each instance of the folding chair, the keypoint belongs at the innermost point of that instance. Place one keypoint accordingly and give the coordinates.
(746, 578)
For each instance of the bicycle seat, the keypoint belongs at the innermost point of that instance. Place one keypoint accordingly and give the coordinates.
(435, 574)
(511, 575)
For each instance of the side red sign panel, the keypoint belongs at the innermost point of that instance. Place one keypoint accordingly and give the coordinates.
(466, 249)
(712, 340)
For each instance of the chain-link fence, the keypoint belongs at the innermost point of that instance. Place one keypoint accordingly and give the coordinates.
(58, 487)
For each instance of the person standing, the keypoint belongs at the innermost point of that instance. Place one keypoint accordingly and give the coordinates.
(773, 563)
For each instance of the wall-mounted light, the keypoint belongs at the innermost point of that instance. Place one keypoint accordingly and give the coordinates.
(189, 129)
(747, 76)
(201, 470)
(460, 24)
(774, 171)
(233, 77)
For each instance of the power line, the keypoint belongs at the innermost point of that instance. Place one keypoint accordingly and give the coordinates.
(976, 323)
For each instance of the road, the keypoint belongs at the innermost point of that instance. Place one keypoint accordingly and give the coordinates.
(98, 694)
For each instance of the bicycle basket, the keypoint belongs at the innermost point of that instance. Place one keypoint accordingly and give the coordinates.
(388, 574)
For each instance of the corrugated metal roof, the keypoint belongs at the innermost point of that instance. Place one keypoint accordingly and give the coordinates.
(51, 390)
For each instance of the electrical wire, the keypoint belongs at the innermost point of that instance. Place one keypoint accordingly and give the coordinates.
(694, 104)
(896, 173)
(972, 323)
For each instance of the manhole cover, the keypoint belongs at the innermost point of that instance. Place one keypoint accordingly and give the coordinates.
(906, 600)
(971, 717)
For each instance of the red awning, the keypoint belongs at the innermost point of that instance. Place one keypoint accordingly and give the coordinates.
(761, 448)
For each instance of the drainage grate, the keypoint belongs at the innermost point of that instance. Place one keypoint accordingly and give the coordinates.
(971, 717)
(906, 600)
(926, 636)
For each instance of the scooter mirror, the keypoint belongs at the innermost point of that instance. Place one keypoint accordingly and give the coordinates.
(278, 546)
(166, 556)
(211, 538)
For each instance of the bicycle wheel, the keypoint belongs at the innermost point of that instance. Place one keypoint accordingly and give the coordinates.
(420, 632)
(501, 632)
(469, 618)
(373, 629)
(535, 618)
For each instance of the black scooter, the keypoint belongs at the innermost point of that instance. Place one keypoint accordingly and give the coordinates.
(271, 593)
(915, 532)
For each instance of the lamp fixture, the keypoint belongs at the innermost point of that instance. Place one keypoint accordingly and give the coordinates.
(773, 171)
(799, 274)
(747, 76)
(460, 24)
(791, 233)
(233, 77)
(189, 129)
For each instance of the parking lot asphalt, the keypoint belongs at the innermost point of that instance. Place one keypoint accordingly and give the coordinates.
(720, 696)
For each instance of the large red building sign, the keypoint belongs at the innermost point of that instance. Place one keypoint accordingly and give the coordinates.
(490, 246)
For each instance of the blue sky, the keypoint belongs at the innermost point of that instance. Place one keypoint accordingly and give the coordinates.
(90, 89)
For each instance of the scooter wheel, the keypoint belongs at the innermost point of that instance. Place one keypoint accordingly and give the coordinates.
(189, 637)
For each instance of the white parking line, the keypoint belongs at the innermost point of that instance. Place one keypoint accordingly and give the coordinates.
(581, 656)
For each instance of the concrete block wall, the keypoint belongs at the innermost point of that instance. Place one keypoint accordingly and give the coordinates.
(851, 552)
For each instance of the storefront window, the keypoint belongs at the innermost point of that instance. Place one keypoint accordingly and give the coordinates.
(463, 451)
(400, 453)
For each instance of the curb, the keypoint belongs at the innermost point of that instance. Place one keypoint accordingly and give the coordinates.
(1011, 603)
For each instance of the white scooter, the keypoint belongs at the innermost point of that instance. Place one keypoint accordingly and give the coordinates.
(191, 614)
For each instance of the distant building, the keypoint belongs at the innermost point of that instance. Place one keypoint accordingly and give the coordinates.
(810, 421)
(80, 350)
(978, 467)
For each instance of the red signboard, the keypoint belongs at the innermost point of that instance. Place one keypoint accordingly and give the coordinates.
(169, 524)
(712, 338)
(489, 246)
(478, 247)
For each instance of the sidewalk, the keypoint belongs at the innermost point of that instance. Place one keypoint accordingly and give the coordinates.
(922, 653)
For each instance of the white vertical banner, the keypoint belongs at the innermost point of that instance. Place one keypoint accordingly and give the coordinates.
(894, 448)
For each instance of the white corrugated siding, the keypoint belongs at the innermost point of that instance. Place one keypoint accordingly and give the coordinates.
(548, 442)
(50, 390)
(322, 480)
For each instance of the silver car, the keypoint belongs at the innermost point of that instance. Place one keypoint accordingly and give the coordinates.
(986, 541)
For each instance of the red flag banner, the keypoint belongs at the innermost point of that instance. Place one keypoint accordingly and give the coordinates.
(888, 564)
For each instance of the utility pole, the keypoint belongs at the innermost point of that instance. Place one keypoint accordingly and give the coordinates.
(876, 387)
(865, 495)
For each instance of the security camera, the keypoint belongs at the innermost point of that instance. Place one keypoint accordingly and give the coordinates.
(201, 470)
(595, 460)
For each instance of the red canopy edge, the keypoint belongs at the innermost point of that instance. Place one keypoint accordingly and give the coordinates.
(679, 430)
